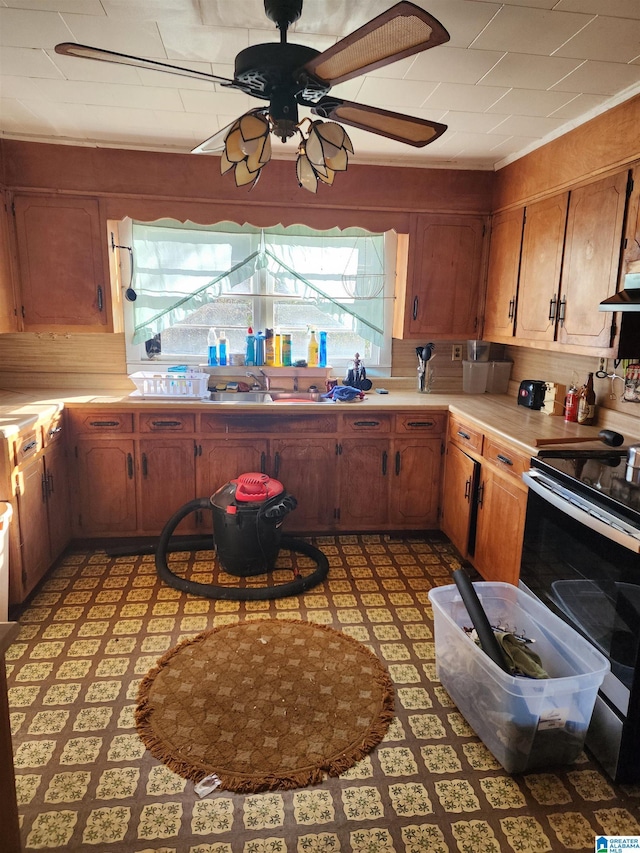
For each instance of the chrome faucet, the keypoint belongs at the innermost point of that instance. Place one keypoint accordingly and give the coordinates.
(265, 385)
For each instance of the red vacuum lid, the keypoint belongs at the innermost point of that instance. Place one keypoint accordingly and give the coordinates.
(256, 487)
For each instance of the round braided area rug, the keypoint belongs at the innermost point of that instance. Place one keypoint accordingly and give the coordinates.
(265, 705)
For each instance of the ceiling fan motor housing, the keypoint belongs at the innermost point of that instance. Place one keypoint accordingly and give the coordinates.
(283, 13)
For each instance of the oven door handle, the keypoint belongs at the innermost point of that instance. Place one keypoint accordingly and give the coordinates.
(536, 483)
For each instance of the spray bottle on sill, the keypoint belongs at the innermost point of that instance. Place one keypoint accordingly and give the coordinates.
(250, 358)
(212, 343)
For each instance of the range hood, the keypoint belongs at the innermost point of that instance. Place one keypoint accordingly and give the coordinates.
(627, 299)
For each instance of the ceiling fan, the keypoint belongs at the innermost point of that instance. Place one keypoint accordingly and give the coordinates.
(288, 75)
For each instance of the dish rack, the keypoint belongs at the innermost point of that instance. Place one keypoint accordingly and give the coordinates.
(189, 385)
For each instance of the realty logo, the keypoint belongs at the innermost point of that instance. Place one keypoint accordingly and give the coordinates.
(602, 845)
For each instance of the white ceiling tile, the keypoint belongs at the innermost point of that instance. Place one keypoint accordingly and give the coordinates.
(178, 11)
(600, 78)
(456, 96)
(529, 102)
(15, 117)
(79, 92)
(79, 7)
(453, 65)
(605, 39)
(467, 122)
(611, 8)
(20, 88)
(232, 103)
(528, 126)
(577, 106)
(206, 44)
(463, 19)
(395, 94)
(523, 30)
(27, 28)
(239, 13)
(27, 62)
(72, 68)
(139, 38)
(526, 71)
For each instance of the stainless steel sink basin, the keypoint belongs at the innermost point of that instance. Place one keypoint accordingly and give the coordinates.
(240, 397)
(297, 397)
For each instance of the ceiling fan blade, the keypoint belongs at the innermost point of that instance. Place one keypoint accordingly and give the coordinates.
(401, 31)
(84, 51)
(414, 131)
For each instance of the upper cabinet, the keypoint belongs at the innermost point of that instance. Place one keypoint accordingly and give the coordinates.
(552, 263)
(445, 264)
(62, 264)
(8, 311)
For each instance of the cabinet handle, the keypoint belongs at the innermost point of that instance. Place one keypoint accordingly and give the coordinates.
(29, 446)
(415, 307)
(43, 488)
(384, 463)
(54, 431)
(419, 424)
(366, 423)
(467, 489)
(104, 423)
(145, 469)
(563, 307)
(338, 449)
(100, 299)
(276, 463)
(464, 435)
(49, 484)
(512, 306)
(130, 466)
(397, 463)
(164, 424)
(195, 448)
(505, 459)
(263, 463)
(480, 494)
(552, 308)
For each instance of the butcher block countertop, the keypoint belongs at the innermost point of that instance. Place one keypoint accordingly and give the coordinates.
(526, 429)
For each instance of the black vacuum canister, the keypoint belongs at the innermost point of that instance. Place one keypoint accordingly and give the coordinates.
(247, 516)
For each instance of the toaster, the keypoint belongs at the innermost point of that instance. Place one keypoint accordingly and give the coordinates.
(531, 393)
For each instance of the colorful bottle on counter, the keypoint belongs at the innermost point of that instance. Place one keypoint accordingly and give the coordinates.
(277, 349)
(222, 349)
(571, 405)
(259, 349)
(269, 348)
(250, 357)
(286, 350)
(587, 403)
(312, 350)
(212, 344)
(322, 350)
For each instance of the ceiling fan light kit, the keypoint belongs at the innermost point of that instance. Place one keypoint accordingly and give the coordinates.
(291, 75)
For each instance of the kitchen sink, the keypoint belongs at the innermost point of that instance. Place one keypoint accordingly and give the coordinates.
(239, 397)
(297, 397)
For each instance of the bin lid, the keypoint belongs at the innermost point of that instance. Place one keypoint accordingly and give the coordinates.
(256, 487)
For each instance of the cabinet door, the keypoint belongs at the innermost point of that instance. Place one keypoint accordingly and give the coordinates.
(445, 272)
(502, 506)
(458, 495)
(221, 460)
(8, 309)
(166, 481)
(364, 483)
(502, 274)
(58, 505)
(307, 468)
(105, 488)
(60, 258)
(415, 483)
(34, 531)
(591, 261)
(540, 266)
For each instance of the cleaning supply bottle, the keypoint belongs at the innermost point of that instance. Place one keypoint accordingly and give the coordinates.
(571, 405)
(259, 349)
(222, 349)
(277, 349)
(286, 350)
(212, 343)
(269, 349)
(322, 350)
(312, 349)
(250, 358)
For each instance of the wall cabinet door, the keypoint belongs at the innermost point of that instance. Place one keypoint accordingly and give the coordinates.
(444, 276)
(221, 460)
(540, 268)
(502, 274)
(591, 261)
(415, 483)
(308, 469)
(502, 506)
(458, 497)
(364, 482)
(61, 251)
(166, 481)
(105, 488)
(8, 307)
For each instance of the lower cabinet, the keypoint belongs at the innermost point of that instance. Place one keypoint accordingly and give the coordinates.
(165, 481)
(364, 482)
(484, 501)
(105, 487)
(307, 468)
(415, 482)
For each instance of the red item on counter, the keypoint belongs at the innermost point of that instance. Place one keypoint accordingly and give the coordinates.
(571, 405)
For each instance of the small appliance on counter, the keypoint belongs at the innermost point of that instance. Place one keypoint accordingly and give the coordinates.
(531, 393)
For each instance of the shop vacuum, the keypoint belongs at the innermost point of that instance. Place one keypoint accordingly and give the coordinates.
(247, 515)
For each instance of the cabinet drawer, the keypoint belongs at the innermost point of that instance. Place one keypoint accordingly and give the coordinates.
(271, 424)
(366, 423)
(53, 429)
(464, 435)
(27, 444)
(169, 422)
(432, 423)
(505, 457)
(100, 422)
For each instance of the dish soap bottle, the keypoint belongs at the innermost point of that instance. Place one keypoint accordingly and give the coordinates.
(250, 358)
(312, 350)
(222, 349)
(212, 343)
(322, 350)
(587, 403)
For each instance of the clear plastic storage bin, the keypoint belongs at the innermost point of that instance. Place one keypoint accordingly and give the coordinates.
(474, 376)
(188, 385)
(526, 723)
(478, 350)
(498, 377)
